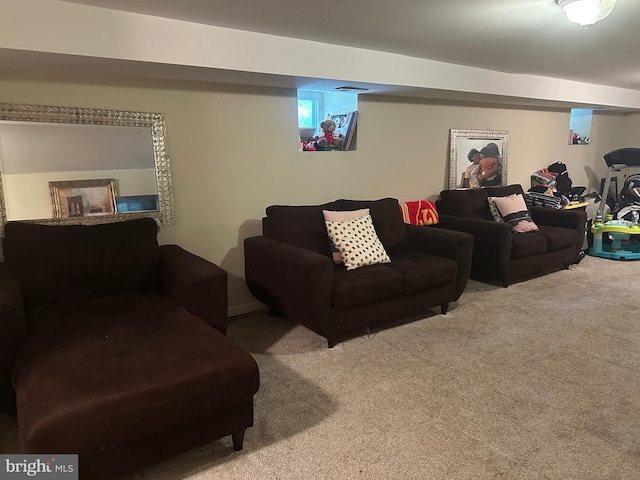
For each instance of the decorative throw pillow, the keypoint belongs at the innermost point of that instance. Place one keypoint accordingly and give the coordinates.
(513, 210)
(419, 212)
(341, 216)
(358, 242)
(493, 208)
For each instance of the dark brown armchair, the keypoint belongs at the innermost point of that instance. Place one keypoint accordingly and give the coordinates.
(116, 346)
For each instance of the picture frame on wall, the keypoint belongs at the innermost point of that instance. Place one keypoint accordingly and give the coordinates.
(346, 124)
(83, 198)
(478, 158)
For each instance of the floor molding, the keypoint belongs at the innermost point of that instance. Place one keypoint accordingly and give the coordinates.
(245, 308)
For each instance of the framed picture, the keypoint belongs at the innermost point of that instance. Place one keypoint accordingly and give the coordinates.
(83, 198)
(478, 158)
(346, 126)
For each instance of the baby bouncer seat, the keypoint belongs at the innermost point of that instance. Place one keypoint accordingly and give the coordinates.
(620, 230)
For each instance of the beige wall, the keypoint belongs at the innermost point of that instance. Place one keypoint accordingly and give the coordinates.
(234, 151)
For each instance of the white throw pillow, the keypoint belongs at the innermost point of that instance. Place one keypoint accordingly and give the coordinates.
(495, 213)
(514, 211)
(358, 242)
(341, 216)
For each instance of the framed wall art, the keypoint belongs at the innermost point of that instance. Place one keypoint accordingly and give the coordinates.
(478, 158)
(83, 198)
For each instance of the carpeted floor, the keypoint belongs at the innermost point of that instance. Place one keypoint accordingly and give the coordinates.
(537, 381)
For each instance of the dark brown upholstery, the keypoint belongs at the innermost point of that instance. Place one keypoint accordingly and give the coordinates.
(55, 265)
(124, 359)
(290, 269)
(500, 253)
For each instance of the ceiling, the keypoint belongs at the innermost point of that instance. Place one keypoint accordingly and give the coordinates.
(513, 36)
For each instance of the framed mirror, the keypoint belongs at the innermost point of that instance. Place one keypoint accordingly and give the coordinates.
(83, 166)
(478, 158)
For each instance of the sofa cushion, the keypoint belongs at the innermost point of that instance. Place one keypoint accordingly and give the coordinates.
(469, 203)
(299, 225)
(358, 242)
(373, 283)
(527, 244)
(153, 365)
(341, 216)
(558, 237)
(387, 220)
(493, 209)
(422, 272)
(514, 211)
(62, 263)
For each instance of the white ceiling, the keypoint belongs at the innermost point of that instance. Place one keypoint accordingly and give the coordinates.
(514, 36)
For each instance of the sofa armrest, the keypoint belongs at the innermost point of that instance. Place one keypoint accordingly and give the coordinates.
(492, 243)
(486, 233)
(457, 246)
(197, 284)
(13, 328)
(289, 279)
(574, 219)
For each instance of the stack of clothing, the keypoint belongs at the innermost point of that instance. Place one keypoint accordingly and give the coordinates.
(535, 199)
(543, 177)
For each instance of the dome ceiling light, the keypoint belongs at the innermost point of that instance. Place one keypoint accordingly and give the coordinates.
(586, 12)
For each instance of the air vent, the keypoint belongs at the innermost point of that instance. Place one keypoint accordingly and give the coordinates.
(347, 88)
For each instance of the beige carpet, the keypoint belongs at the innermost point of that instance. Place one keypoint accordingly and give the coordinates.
(537, 381)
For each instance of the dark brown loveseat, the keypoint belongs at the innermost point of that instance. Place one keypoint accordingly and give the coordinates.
(117, 345)
(498, 252)
(290, 269)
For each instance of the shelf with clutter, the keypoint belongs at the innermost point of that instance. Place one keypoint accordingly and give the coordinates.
(337, 132)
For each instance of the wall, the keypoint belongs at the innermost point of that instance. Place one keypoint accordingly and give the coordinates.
(234, 151)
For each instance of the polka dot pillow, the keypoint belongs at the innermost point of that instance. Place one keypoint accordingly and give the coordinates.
(358, 242)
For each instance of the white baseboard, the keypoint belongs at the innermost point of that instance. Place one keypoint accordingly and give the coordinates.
(243, 309)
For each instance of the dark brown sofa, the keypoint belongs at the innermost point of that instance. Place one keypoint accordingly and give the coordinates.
(498, 252)
(289, 268)
(117, 346)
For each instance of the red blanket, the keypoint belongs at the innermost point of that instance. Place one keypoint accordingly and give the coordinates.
(419, 212)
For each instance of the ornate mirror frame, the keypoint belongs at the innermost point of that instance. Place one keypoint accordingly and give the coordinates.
(463, 141)
(88, 116)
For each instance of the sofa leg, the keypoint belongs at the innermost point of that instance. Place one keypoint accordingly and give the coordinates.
(237, 438)
(566, 266)
(505, 283)
(443, 308)
(331, 340)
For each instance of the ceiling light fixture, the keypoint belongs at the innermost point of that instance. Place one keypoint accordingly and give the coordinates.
(586, 12)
